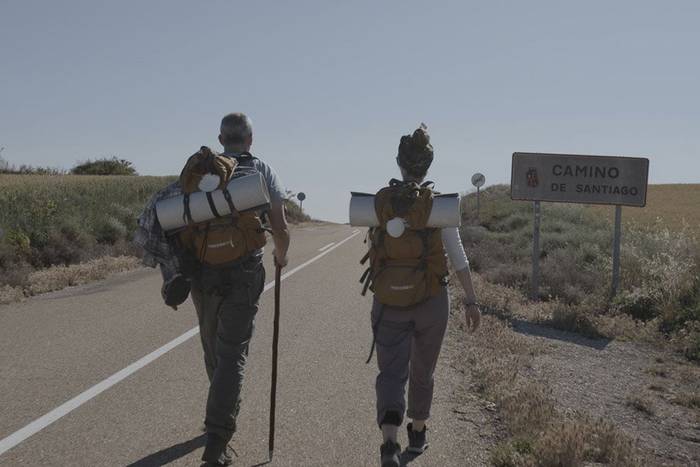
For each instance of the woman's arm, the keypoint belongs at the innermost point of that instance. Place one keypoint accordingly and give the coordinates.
(458, 258)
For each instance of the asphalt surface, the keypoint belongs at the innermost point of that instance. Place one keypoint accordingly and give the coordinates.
(54, 347)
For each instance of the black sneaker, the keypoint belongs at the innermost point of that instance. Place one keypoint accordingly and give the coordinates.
(216, 452)
(390, 452)
(417, 440)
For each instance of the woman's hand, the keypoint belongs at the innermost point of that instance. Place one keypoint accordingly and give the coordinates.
(472, 314)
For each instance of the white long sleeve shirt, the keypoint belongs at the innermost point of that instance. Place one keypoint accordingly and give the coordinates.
(454, 248)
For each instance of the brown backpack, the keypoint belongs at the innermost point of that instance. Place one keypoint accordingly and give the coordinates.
(411, 268)
(226, 239)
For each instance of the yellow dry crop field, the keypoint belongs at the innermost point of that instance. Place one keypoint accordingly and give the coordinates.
(675, 205)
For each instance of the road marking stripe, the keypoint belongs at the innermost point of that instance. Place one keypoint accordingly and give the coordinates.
(327, 246)
(45, 420)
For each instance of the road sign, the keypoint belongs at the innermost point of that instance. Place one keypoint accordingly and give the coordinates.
(567, 178)
(301, 197)
(478, 181)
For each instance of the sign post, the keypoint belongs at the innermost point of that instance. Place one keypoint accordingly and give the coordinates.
(568, 178)
(616, 250)
(301, 197)
(535, 293)
(478, 181)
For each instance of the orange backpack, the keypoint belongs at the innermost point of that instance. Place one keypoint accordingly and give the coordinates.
(226, 239)
(412, 267)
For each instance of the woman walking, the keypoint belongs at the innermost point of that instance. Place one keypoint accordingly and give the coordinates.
(409, 332)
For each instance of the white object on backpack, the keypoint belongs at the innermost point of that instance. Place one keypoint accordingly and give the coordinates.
(396, 227)
(209, 183)
(445, 212)
(247, 192)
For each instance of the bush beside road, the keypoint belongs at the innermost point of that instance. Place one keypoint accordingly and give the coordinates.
(65, 226)
(659, 298)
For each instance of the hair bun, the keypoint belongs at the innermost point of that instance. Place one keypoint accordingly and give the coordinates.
(420, 137)
(416, 152)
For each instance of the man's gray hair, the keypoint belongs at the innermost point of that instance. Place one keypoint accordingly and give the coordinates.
(235, 128)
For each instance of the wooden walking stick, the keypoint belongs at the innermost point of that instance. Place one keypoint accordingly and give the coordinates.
(275, 344)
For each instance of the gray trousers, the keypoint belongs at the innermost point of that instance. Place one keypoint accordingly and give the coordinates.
(226, 306)
(408, 346)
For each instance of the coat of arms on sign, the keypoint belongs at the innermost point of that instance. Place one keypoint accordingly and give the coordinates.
(532, 180)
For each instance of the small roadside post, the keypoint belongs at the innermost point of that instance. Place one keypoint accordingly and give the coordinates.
(301, 197)
(582, 179)
(478, 181)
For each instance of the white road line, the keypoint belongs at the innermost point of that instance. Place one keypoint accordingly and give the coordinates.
(45, 420)
(327, 246)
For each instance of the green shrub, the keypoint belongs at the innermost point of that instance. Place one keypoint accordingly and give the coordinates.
(294, 212)
(691, 346)
(16, 275)
(105, 166)
(56, 219)
(110, 230)
(68, 244)
(574, 319)
(18, 241)
(505, 455)
(660, 268)
(641, 304)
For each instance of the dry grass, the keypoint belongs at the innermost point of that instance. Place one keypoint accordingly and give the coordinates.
(657, 388)
(659, 371)
(641, 403)
(540, 434)
(60, 277)
(676, 204)
(10, 294)
(688, 399)
(659, 297)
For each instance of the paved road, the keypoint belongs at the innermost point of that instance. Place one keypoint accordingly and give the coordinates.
(55, 347)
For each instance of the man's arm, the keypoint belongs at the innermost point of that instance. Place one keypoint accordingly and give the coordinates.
(280, 232)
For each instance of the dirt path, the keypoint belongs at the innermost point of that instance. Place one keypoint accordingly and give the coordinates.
(643, 391)
(649, 396)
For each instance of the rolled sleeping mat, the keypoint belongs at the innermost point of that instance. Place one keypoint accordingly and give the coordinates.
(445, 211)
(247, 193)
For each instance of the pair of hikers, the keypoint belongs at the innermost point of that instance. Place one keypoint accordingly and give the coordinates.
(219, 261)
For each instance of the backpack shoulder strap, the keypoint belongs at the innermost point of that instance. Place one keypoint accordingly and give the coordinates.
(245, 157)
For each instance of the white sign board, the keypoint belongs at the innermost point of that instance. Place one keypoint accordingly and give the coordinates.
(571, 178)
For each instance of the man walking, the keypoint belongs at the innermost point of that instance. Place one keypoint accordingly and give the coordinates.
(225, 298)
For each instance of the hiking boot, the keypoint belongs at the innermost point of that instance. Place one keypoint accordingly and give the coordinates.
(216, 452)
(390, 452)
(417, 440)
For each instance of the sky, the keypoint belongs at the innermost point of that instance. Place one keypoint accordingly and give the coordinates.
(332, 86)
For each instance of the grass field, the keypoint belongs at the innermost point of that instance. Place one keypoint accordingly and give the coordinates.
(59, 220)
(676, 206)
